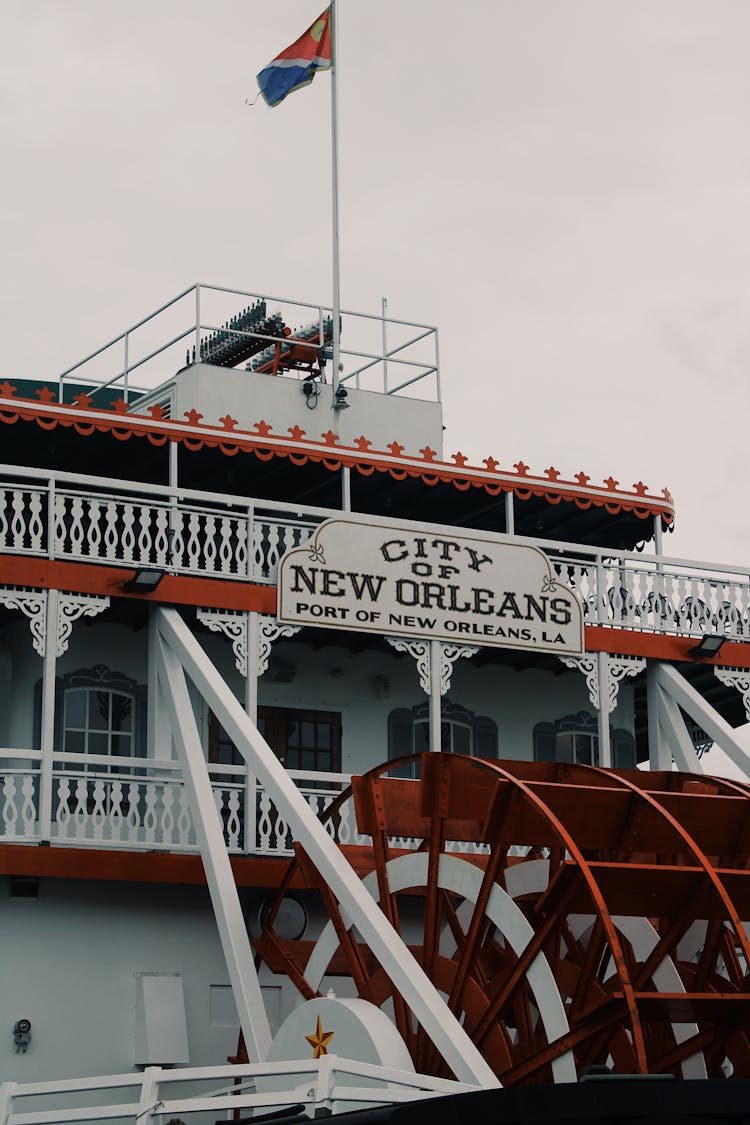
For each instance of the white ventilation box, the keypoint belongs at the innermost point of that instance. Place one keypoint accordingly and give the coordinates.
(160, 1024)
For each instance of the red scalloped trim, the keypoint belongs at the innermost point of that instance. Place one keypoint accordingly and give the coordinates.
(434, 471)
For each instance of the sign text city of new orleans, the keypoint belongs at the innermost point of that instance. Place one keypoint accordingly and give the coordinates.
(389, 580)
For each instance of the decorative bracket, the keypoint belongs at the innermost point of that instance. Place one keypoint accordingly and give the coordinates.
(617, 668)
(738, 678)
(233, 626)
(420, 651)
(449, 654)
(33, 605)
(588, 666)
(70, 608)
(269, 630)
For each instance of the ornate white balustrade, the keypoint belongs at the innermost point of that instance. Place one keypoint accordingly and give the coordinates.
(19, 796)
(229, 538)
(136, 805)
(659, 597)
(218, 541)
(24, 519)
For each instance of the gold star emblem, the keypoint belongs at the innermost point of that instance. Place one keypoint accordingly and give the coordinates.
(319, 1040)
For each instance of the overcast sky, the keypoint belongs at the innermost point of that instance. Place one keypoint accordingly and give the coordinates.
(561, 186)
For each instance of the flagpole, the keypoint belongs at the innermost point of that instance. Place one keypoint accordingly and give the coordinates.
(335, 214)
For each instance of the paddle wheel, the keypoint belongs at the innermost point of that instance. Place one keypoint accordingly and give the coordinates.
(571, 916)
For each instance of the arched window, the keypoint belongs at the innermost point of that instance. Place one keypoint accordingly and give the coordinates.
(100, 712)
(575, 738)
(461, 732)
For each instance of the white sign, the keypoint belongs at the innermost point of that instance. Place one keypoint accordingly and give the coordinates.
(435, 584)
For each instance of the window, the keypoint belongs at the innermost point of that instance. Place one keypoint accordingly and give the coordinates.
(461, 732)
(301, 740)
(575, 738)
(100, 712)
(98, 722)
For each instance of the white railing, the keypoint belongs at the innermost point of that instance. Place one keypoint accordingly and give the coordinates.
(223, 539)
(66, 516)
(139, 804)
(657, 594)
(211, 322)
(201, 1094)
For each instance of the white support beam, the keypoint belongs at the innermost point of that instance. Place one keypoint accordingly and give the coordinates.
(158, 730)
(49, 683)
(435, 697)
(734, 743)
(346, 488)
(221, 884)
(660, 757)
(657, 535)
(510, 520)
(602, 712)
(252, 625)
(677, 735)
(409, 978)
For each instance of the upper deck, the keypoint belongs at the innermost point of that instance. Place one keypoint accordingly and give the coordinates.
(214, 373)
(232, 354)
(220, 459)
(211, 471)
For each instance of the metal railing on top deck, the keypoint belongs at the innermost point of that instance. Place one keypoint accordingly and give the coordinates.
(378, 352)
(188, 532)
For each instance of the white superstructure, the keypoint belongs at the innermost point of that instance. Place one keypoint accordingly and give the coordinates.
(126, 527)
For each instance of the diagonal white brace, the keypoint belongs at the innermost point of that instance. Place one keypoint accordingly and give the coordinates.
(409, 978)
(676, 733)
(735, 743)
(221, 884)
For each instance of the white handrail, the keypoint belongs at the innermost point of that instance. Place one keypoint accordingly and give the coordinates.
(558, 550)
(321, 1082)
(122, 335)
(419, 333)
(136, 803)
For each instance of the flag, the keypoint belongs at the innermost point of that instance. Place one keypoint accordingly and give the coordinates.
(297, 65)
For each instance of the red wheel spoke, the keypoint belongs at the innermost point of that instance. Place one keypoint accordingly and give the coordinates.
(607, 874)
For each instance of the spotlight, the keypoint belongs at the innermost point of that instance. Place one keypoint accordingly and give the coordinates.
(708, 646)
(22, 1035)
(311, 390)
(144, 581)
(339, 399)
